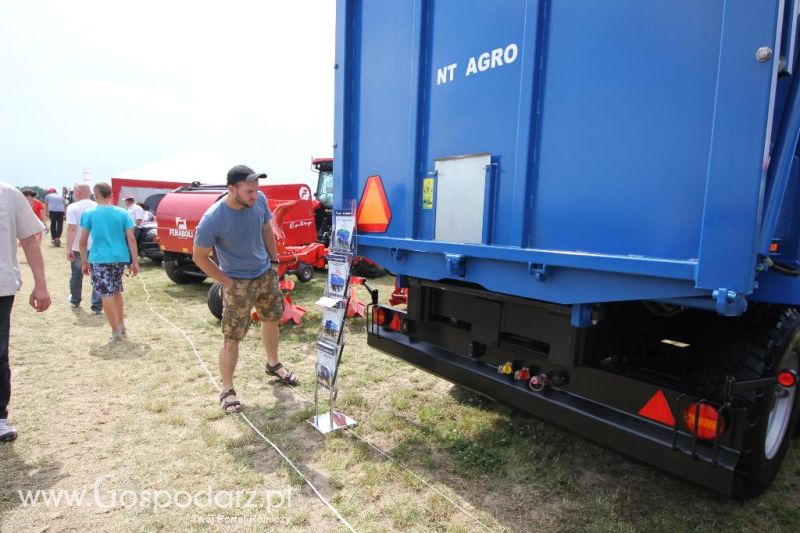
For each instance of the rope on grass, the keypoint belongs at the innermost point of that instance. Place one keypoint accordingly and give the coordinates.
(422, 480)
(244, 417)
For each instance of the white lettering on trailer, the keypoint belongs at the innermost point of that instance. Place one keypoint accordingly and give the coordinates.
(445, 74)
(489, 60)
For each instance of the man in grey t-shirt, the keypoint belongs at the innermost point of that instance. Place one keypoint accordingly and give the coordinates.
(238, 229)
(20, 224)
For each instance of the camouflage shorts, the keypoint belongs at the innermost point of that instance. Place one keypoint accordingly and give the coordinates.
(262, 293)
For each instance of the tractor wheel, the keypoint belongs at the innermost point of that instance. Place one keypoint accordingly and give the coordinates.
(215, 300)
(304, 272)
(368, 269)
(768, 342)
(172, 268)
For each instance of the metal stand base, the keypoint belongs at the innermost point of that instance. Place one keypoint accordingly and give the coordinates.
(325, 423)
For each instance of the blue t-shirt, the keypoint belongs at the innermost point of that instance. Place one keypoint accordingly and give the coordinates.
(107, 225)
(236, 237)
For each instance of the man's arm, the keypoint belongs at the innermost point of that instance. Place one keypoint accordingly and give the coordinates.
(269, 241)
(40, 296)
(83, 244)
(71, 232)
(204, 262)
(134, 251)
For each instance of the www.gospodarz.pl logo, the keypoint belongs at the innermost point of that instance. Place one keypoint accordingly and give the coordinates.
(104, 497)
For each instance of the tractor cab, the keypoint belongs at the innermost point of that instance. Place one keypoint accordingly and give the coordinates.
(323, 212)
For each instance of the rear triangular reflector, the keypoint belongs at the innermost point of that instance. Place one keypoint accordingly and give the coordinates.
(373, 210)
(658, 409)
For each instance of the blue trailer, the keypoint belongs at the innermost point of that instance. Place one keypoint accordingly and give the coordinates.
(595, 209)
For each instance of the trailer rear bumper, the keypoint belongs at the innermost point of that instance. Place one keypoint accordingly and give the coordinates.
(637, 437)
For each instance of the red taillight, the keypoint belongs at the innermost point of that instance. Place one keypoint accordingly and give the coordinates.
(705, 427)
(394, 324)
(379, 316)
(787, 378)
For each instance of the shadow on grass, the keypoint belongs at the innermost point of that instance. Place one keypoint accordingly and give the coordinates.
(197, 292)
(123, 349)
(16, 475)
(86, 319)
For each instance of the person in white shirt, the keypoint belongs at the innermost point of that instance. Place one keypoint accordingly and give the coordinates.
(19, 223)
(81, 194)
(134, 211)
(148, 215)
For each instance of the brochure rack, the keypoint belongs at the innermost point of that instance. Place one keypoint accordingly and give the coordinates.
(330, 342)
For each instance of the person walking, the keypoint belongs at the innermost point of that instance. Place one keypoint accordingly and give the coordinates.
(37, 206)
(82, 202)
(238, 229)
(20, 223)
(55, 205)
(113, 248)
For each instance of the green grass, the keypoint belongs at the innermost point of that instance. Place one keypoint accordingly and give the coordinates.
(144, 414)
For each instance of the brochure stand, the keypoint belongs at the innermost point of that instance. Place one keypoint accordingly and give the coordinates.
(330, 343)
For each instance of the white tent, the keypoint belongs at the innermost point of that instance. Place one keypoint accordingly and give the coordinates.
(151, 182)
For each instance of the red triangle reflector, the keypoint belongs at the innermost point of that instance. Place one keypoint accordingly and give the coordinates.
(658, 409)
(373, 213)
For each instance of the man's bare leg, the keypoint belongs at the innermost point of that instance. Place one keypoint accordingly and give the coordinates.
(119, 310)
(228, 357)
(270, 334)
(110, 309)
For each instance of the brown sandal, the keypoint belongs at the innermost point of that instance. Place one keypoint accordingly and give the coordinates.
(227, 404)
(288, 379)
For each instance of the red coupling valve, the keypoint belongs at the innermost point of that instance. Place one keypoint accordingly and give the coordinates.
(538, 382)
(523, 374)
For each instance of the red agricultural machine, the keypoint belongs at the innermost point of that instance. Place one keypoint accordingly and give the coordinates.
(301, 222)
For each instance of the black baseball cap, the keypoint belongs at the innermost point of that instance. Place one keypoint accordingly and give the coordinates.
(243, 173)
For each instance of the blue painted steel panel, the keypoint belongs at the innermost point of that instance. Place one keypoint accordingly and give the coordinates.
(628, 139)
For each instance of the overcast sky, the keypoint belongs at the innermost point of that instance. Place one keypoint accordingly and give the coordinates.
(112, 86)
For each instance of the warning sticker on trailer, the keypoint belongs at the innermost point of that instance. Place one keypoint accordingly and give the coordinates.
(427, 193)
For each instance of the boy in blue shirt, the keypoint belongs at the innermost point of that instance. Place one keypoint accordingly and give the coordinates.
(113, 248)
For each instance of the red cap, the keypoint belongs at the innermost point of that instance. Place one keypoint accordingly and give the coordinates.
(51, 190)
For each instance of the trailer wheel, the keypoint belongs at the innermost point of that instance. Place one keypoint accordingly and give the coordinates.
(215, 300)
(173, 271)
(304, 272)
(771, 343)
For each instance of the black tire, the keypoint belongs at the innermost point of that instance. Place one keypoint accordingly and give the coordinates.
(766, 341)
(174, 273)
(215, 300)
(304, 273)
(368, 269)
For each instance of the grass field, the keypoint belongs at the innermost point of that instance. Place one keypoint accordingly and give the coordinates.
(130, 419)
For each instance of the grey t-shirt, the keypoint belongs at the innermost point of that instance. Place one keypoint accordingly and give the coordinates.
(236, 237)
(55, 202)
(17, 221)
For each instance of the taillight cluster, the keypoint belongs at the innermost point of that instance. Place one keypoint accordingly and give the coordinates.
(704, 421)
(389, 318)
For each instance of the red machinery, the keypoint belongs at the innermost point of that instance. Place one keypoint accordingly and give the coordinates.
(179, 213)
